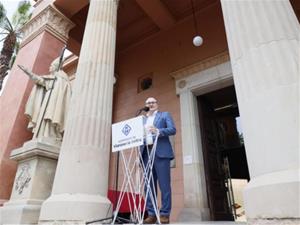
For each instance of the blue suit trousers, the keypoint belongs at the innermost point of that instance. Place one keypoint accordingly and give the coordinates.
(161, 173)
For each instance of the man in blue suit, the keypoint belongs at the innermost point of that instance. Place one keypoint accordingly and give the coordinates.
(161, 123)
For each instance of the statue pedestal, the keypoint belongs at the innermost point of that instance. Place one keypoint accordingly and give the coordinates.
(37, 161)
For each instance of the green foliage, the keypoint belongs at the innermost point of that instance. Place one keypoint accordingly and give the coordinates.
(10, 34)
(241, 137)
(2, 12)
(22, 15)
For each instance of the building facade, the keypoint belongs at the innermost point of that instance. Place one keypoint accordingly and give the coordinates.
(234, 99)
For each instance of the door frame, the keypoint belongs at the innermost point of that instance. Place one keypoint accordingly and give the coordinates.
(191, 81)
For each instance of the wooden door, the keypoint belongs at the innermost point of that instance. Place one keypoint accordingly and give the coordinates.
(214, 173)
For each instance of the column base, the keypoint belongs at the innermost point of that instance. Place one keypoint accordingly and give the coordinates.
(273, 196)
(193, 215)
(77, 208)
(21, 212)
(2, 201)
(63, 222)
(1, 215)
(273, 222)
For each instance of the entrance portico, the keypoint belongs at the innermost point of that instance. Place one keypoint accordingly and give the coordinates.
(161, 46)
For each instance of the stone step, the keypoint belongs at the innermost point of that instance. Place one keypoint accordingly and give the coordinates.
(213, 223)
(176, 223)
(196, 223)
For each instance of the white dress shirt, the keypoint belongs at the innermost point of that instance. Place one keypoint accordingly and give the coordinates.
(149, 123)
(150, 120)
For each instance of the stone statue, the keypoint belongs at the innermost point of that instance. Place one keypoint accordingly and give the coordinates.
(48, 103)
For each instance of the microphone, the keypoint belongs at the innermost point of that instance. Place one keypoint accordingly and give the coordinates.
(146, 109)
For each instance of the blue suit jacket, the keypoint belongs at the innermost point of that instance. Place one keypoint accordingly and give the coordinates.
(164, 122)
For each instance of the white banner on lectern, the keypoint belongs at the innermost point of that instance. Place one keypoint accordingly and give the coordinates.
(127, 134)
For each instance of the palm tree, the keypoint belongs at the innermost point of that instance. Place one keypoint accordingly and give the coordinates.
(10, 35)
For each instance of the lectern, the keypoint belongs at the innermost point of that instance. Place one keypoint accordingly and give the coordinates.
(127, 138)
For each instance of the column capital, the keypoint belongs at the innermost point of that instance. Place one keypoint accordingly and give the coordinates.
(51, 20)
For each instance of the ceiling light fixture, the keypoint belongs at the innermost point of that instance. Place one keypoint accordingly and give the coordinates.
(198, 40)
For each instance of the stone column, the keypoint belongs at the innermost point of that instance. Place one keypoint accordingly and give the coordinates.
(81, 181)
(263, 38)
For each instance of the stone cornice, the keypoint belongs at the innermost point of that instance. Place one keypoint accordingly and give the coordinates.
(199, 66)
(50, 20)
(35, 148)
(37, 3)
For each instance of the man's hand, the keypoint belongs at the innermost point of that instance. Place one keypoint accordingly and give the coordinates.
(152, 129)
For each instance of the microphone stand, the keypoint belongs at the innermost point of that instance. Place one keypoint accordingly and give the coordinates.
(146, 109)
(138, 112)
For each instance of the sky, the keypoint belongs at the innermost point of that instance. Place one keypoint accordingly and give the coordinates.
(10, 7)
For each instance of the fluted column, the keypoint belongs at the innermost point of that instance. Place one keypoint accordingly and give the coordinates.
(263, 38)
(81, 181)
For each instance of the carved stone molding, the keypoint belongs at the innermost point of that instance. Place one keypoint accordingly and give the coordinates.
(51, 20)
(23, 178)
(199, 66)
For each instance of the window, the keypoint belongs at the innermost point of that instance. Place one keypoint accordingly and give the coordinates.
(145, 82)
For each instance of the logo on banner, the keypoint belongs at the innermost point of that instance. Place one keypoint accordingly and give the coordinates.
(127, 134)
(126, 129)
